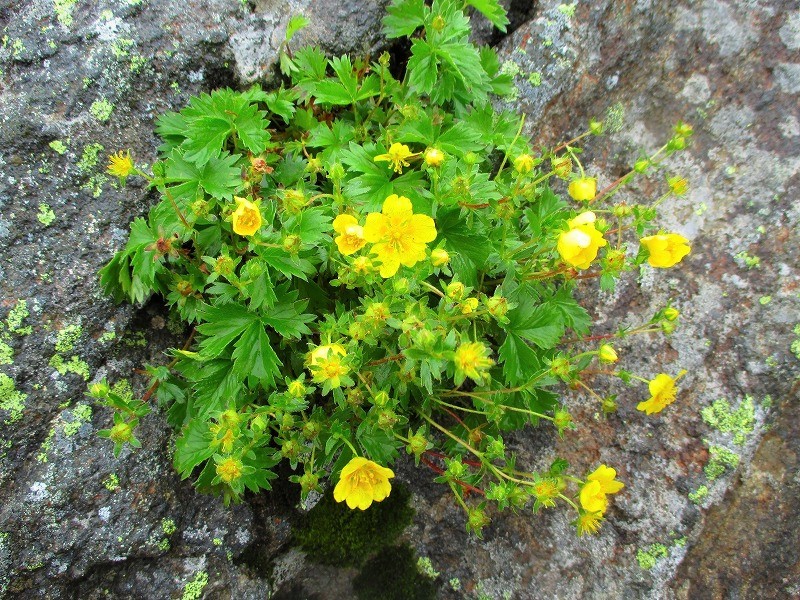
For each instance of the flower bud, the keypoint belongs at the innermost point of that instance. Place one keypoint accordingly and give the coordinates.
(678, 142)
(358, 330)
(497, 306)
(621, 210)
(595, 126)
(641, 165)
(583, 188)
(615, 259)
(438, 23)
(667, 327)
(311, 429)
(290, 449)
(184, 288)
(671, 314)
(336, 172)
(562, 420)
(308, 482)
(99, 389)
(609, 405)
(455, 290)
(297, 389)
(424, 339)
(471, 158)
(524, 163)
(562, 166)
(434, 157)
(505, 210)
(560, 367)
(607, 354)
(417, 444)
(230, 418)
(387, 419)
(468, 306)
(683, 129)
(314, 165)
(380, 399)
(455, 469)
(401, 285)
(678, 185)
(287, 422)
(384, 59)
(440, 257)
(292, 243)
(224, 265)
(259, 165)
(293, 201)
(476, 520)
(121, 433)
(200, 207)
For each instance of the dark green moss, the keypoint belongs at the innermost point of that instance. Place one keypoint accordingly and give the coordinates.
(392, 574)
(332, 534)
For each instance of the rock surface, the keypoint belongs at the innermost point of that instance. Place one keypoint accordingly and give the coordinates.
(730, 68)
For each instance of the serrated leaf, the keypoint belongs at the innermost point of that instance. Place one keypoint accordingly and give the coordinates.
(492, 10)
(192, 447)
(423, 67)
(221, 326)
(289, 266)
(520, 361)
(575, 316)
(218, 177)
(533, 320)
(404, 17)
(254, 356)
(287, 318)
(296, 23)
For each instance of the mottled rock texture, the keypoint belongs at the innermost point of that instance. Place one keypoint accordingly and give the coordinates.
(730, 68)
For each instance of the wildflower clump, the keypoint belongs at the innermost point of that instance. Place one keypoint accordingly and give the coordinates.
(373, 264)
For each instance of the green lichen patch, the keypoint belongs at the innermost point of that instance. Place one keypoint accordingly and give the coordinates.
(333, 534)
(721, 460)
(648, 557)
(16, 317)
(73, 365)
(45, 216)
(89, 157)
(11, 400)
(46, 446)
(393, 575)
(106, 337)
(111, 483)
(63, 10)
(67, 337)
(194, 589)
(101, 110)
(699, 495)
(59, 146)
(795, 347)
(81, 414)
(6, 354)
(740, 422)
(168, 526)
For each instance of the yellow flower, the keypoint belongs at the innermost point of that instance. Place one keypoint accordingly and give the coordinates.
(678, 185)
(606, 477)
(351, 234)
(593, 498)
(524, 163)
(472, 360)
(440, 257)
(399, 236)
(120, 165)
(326, 365)
(662, 393)
(246, 218)
(584, 188)
(398, 155)
(666, 249)
(363, 482)
(607, 354)
(469, 305)
(229, 469)
(588, 522)
(434, 157)
(578, 246)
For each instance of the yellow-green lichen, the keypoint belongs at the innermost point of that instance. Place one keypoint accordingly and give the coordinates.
(67, 337)
(73, 365)
(6, 354)
(108, 336)
(111, 483)
(63, 10)
(45, 216)
(194, 589)
(168, 526)
(101, 110)
(59, 146)
(17, 47)
(752, 262)
(740, 422)
(121, 47)
(16, 317)
(137, 62)
(721, 460)
(568, 10)
(89, 157)
(647, 557)
(46, 446)
(535, 79)
(11, 400)
(81, 414)
(795, 347)
(217, 541)
(699, 494)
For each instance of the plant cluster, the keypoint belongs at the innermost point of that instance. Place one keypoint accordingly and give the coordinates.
(373, 264)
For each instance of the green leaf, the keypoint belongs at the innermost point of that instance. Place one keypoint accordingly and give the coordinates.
(574, 315)
(380, 446)
(534, 321)
(287, 317)
(223, 324)
(254, 356)
(218, 177)
(286, 264)
(520, 361)
(423, 67)
(462, 238)
(404, 17)
(492, 10)
(296, 23)
(192, 447)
